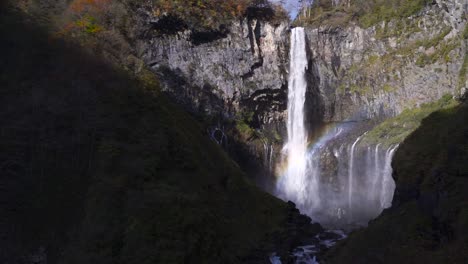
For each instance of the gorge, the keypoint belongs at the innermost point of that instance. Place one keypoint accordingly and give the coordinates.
(163, 131)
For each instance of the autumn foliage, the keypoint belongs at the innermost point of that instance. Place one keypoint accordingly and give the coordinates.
(83, 6)
(84, 16)
(208, 13)
(200, 7)
(93, 17)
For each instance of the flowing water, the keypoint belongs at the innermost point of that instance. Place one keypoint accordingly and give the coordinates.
(307, 254)
(351, 175)
(295, 185)
(340, 183)
(337, 179)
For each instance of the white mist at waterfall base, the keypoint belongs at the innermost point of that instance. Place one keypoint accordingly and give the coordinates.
(338, 180)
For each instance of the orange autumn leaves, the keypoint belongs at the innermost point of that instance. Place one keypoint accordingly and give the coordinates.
(85, 18)
(95, 6)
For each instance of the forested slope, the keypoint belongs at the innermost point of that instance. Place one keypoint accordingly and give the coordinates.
(98, 166)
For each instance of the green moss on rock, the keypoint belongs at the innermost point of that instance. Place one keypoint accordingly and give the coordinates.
(394, 130)
(462, 76)
(366, 12)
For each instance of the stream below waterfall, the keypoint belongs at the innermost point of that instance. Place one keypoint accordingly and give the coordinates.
(307, 254)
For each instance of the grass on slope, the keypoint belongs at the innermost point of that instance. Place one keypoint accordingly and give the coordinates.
(394, 130)
(365, 12)
(98, 167)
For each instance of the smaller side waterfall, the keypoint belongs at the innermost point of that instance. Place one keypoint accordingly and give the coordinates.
(351, 175)
(377, 171)
(387, 182)
(345, 184)
(268, 152)
(370, 185)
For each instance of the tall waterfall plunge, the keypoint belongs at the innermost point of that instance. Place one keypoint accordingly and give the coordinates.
(295, 185)
(338, 180)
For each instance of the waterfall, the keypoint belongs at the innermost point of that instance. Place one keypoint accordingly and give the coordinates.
(387, 183)
(375, 179)
(370, 185)
(293, 184)
(268, 151)
(338, 180)
(270, 161)
(351, 174)
(348, 192)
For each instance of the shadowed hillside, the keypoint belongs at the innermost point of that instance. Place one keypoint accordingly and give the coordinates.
(97, 167)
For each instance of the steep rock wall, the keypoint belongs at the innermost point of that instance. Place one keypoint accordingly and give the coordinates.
(235, 78)
(377, 72)
(239, 72)
(354, 73)
(358, 77)
(241, 68)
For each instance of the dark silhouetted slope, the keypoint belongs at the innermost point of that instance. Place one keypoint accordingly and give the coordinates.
(97, 167)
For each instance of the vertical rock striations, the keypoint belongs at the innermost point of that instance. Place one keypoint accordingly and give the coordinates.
(376, 72)
(235, 78)
(223, 75)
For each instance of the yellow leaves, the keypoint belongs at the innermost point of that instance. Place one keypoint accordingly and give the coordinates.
(81, 23)
(200, 4)
(157, 12)
(85, 24)
(83, 15)
(93, 28)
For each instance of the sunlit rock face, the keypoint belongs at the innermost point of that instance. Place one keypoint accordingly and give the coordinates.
(236, 73)
(242, 66)
(353, 74)
(360, 76)
(377, 72)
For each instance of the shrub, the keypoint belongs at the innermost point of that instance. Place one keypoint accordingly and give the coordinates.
(366, 12)
(203, 15)
(463, 72)
(465, 32)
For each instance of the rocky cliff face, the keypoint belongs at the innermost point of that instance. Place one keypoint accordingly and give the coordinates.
(234, 77)
(361, 76)
(354, 74)
(379, 71)
(223, 72)
(239, 73)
